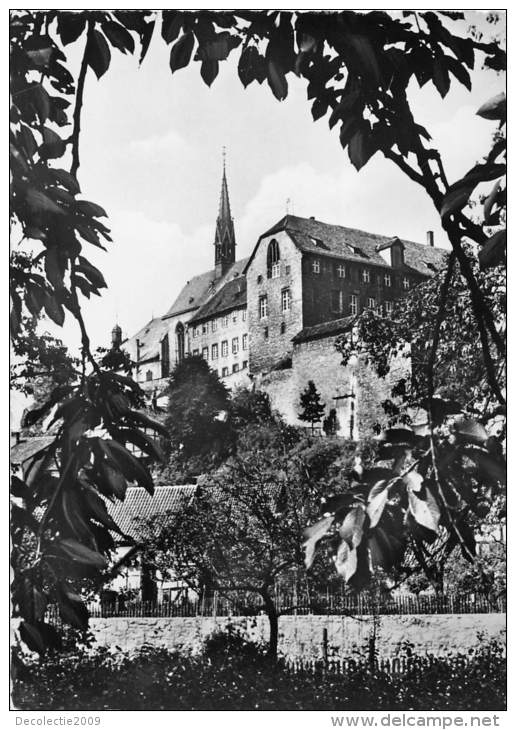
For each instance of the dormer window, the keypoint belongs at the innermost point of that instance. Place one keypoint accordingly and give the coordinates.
(273, 260)
(366, 277)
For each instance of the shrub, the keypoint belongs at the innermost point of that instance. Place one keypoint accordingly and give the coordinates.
(156, 679)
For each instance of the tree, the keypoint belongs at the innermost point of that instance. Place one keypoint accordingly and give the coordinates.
(358, 68)
(198, 404)
(331, 423)
(310, 402)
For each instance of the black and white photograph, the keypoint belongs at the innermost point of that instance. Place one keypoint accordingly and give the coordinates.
(258, 395)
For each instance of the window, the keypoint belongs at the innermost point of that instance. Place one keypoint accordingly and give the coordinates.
(205, 353)
(244, 365)
(165, 357)
(262, 307)
(214, 352)
(341, 271)
(234, 316)
(148, 375)
(244, 315)
(353, 304)
(225, 320)
(366, 277)
(204, 327)
(286, 300)
(283, 328)
(266, 333)
(244, 342)
(388, 308)
(259, 279)
(273, 260)
(224, 348)
(287, 269)
(195, 352)
(234, 345)
(316, 266)
(180, 342)
(336, 301)
(406, 282)
(214, 323)
(234, 369)
(371, 302)
(195, 331)
(225, 372)
(387, 279)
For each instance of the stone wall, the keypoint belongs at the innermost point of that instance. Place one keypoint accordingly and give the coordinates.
(318, 360)
(302, 636)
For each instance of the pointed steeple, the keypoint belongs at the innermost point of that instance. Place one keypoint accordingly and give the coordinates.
(225, 243)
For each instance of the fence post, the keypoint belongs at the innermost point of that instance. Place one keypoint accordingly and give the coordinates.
(325, 650)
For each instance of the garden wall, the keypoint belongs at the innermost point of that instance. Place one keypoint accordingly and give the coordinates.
(302, 636)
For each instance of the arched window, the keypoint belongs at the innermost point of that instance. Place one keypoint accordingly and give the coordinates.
(180, 342)
(273, 260)
(165, 357)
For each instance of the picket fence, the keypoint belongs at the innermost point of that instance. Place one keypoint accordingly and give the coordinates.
(329, 604)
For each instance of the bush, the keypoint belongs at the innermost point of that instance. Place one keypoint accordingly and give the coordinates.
(155, 679)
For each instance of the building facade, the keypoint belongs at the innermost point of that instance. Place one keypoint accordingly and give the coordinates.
(271, 320)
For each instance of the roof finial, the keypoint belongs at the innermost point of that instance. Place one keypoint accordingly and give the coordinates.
(288, 206)
(224, 158)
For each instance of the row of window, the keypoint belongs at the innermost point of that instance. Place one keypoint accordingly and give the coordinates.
(365, 277)
(263, 304)
(235, 368)
(224, 348)
(224, 321)
(353, 304)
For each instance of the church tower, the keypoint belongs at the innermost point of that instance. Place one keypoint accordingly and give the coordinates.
(225, 243)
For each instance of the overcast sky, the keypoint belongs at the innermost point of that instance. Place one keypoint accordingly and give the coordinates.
(151, 156)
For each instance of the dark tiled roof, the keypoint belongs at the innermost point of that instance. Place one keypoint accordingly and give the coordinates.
(233, 294)
(196, 291)
(31, 447)
(192, 294)
(325, 239)
(139, 506)
(333, 327)
(150, 338)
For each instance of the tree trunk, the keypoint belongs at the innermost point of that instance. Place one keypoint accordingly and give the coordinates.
(272, 615)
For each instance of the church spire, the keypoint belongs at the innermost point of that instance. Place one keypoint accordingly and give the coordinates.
(225, 243)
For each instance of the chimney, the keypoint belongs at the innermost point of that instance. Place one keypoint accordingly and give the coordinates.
(430, 238)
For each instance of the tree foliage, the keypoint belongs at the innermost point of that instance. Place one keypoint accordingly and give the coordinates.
(310, 402)
(358, 68)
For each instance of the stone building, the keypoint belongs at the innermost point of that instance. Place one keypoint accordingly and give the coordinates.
(271, 320)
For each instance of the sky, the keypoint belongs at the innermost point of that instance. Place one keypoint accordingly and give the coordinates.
(151, 145)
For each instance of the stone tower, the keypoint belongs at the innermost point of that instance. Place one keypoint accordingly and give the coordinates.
(225, 243)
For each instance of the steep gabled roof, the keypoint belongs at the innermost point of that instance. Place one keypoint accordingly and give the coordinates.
(232, 295)
(192, 294)
(150, 337)
(138, 506)
(200, 289)
(325, 239)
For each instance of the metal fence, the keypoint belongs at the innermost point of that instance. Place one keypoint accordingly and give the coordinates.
(329, 604)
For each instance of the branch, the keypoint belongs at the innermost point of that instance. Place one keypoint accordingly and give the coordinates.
(74, 137)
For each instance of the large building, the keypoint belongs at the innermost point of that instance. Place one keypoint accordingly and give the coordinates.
(272, 319)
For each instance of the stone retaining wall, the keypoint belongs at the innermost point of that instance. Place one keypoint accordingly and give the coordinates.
(302, 636)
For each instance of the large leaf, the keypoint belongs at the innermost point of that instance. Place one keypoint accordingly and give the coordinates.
(346, 561)
(70, 25)
(181, 52)
(38, 202)
(53, 146)
(493, 251)
(277, 80)
(118, 36)
(312, 535)
(352, 527)
(495, 108)
(377, 500)
(425, 510)
(361, 149)
(98, 55)
(470, 431)
(82, 554)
